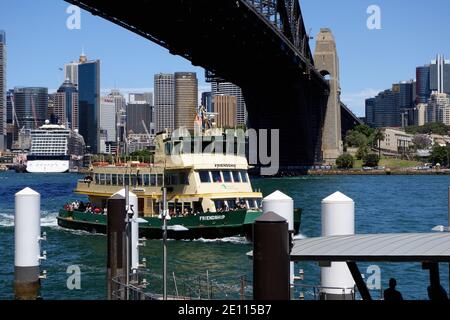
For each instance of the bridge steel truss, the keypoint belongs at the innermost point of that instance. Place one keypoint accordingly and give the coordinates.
(260, 45)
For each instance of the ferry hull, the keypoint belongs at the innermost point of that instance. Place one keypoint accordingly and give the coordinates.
(206, 226)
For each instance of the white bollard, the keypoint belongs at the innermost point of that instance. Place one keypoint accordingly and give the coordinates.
(338, 218)
(283, 206)
(133, 200)
(27, 236)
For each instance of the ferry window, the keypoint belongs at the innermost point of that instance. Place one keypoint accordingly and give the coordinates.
(102, 178)
(120, 179)
(159, 179)
(153, 180)
(220, 204)
(231, 203)
(227, 176)
(183, 179)
(178, 208)
(139, 179)
(168, 148)
(204, 176)
(146, 179)
(236, 176)
(108, 179)
(96, 178)
(244, 176)
(114, 180)
(216, 176)
(171, 207)
(127, 180)
(133, 180)
(187, 207)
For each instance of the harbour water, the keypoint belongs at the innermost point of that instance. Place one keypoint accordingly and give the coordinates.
(384, 204)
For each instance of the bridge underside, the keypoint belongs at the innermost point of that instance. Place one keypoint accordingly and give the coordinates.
(281, 88)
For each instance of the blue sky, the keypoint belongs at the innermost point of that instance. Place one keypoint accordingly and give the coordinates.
(39, 43)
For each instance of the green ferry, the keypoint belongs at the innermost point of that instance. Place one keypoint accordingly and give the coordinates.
(209, 194)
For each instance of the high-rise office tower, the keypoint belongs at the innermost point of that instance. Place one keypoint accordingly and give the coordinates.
(423, 84)
(437, 103)
(165, 102)
(71, 73)
(146, 97)
(120, 112)
(387, 112)
(139, 117)
(440, 75)
(370, 112)
(231, 89)
(11, 127)
(89, 102)
(108, 117)
(65, 107)
(31, 106)
(225, 107)
(207, 101)
(2, 90)
(186, 99)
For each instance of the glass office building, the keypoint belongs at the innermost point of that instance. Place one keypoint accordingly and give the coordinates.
(89, 103)
(31, 106)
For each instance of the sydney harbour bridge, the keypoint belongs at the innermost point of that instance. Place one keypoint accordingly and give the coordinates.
(261, 46)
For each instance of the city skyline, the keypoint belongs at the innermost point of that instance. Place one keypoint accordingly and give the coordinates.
(369, 53)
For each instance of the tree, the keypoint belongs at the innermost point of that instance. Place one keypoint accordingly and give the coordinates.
(440, 155)
(345, 161)
(429, 128)
(362, 152)
(421, 142)
(356, 139)
(371, 160)
(377, 137)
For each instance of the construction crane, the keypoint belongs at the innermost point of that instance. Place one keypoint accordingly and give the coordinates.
(33, 108)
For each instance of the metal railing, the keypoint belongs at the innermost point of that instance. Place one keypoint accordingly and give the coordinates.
(149, 286)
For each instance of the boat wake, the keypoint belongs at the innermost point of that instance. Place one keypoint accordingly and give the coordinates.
(48, 219)
(233, 240)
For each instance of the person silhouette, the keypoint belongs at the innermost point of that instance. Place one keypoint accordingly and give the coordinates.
(391, 294)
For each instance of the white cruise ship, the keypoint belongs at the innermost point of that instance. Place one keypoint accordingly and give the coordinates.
(49, 149)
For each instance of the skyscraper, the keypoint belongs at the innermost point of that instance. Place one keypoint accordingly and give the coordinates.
(207, 101)
(65, 106)
(225, 107)
(440, 75)
(2, 90)
(165, 102)
(423, 84)
(139, 97)
(231, 89)
(121, 118)
(89, 102)
(387, 112)
(139, 117)
(11, 127)
(186, 99)
(436, 105)
(370, 112)
(107, 122)
(31, 106)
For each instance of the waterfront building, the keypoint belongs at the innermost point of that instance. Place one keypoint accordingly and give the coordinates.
(207, 101)
(423, 84)
(396, 141)
(31, 106)
(164, 102)
(89, 102)
(225, 107)
(65, 105)
(139, 118)
(231, 89)
(3, 115)
(387, 113)
(186, 99)
(71, 72)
